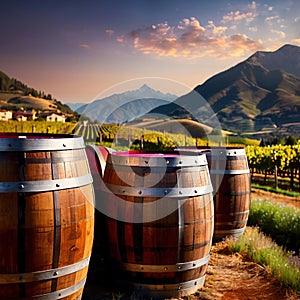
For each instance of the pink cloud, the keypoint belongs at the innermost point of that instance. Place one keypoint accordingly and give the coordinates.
(189, 39)
(109, 32)
(85, 46)
(238, 16)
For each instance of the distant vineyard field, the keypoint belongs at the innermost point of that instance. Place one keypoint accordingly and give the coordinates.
(124, 137)
(36, 127)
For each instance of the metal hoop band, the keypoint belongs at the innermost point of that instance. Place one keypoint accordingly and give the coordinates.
(179, 267)
(160, 192)
(22, 143)
(45, 185)
(44, 275)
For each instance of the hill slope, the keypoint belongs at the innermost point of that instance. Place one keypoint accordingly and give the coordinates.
(14, 94)
(256, 94)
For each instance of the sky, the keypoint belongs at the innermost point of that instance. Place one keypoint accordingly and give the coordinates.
(77, 50)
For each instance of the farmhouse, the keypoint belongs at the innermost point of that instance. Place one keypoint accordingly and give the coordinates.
(5, 115)
(21, 115)
(53, 117)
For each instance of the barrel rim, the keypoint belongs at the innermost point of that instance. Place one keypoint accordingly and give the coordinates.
(160, 159)
(40, 142)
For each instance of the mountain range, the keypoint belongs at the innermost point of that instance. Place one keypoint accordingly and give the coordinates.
(260, 93)
(123, 107)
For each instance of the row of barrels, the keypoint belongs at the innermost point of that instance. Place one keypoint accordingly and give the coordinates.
(156, 215)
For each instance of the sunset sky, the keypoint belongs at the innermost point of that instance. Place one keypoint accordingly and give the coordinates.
(77, 49)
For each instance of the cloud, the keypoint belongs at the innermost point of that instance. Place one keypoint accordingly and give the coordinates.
(238, 16)
(296, 42)
(272, 19)
(280, 33)
(109, 32)
(85, 46)
(190, 39)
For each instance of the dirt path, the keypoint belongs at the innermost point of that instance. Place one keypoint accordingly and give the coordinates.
(278, 198)
(233, 277)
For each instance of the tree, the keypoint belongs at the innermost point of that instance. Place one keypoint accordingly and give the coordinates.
(291, 140)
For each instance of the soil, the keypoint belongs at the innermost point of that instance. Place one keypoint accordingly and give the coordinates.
(277, 198)
(229, 276)
(235, 277)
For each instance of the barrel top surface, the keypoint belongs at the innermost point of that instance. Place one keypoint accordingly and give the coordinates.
(135, 158)
(136, 154)
(39, 142)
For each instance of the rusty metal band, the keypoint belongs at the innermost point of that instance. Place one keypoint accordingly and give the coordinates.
(179, 267)
(44, 275)
(160, 289)
(22, 143)
(229, 172)
(174, 192)
(45, 185)
(157, 161)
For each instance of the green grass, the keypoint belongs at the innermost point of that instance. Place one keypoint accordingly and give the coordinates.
(277, 191)
(265, 252)
(281, 222)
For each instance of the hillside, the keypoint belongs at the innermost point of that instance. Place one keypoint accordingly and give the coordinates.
(180, 126)
(14, 94)
(254, 95)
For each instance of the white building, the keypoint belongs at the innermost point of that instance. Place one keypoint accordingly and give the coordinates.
(5, 115)
(53, 117)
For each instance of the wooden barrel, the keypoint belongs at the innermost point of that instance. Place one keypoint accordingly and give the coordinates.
(161, 224)
(97, 156)
(46, 216)
(230, 177)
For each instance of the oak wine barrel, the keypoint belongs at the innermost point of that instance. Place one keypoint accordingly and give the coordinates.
(230, 176)
(46, 216)
(160, 222)
(233, 188)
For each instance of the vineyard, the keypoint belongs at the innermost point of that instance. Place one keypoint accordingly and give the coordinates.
(278, 161)
(120, 137)
(37, 127)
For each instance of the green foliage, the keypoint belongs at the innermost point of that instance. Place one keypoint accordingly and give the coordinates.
(283, 265)
(282, 223)
(285, 157)
(154, 141)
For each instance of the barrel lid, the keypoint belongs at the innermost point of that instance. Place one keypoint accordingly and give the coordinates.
(152, 159)
(40, 142)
